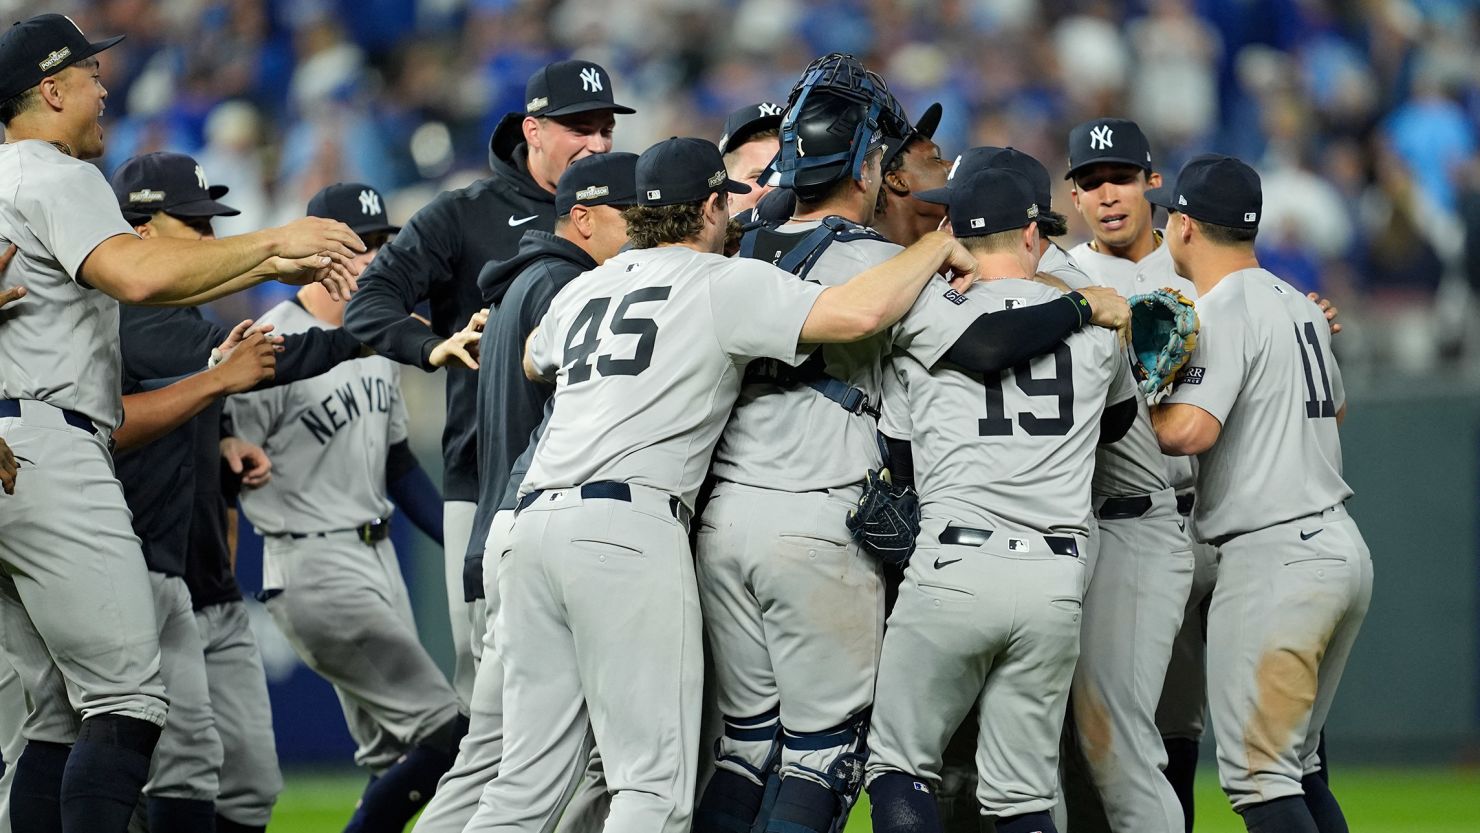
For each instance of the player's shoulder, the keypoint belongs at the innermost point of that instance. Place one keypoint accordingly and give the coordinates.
(33, 164)
(1010, 293)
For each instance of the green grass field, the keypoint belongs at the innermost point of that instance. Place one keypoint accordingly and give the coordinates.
(1376, 801)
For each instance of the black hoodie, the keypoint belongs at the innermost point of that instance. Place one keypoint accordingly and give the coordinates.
(437, 256)
(509, 405)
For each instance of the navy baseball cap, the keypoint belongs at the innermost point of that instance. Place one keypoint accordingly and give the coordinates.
(565, 88)
(1214, 189)
(40, 47)
(1117, 141)
(748, 121)
(170, 182)
(601, 179)
(682, 170)
(355, 204)
(986, 202)
(924, 128)
(1008, 159)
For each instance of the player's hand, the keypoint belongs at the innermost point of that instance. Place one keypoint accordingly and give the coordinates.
(309, 236)
(9, 468)
(336, 272)
(959, 265)
(11, 294)
(241, 331)
(463, 345)
(1108, 309)
(247, 460)
(252, 362)
(1326, 307)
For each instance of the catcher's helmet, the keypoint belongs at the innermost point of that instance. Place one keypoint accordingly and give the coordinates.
(838, 111)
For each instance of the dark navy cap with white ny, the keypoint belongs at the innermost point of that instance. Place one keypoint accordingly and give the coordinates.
(40, 47)
(601, 179)
(1214, 189)
(682, 170)
(355, 204)
(986, 202)
(748, 121)
(170, 182)
(1010, 159)
(1117, 141)
(565, 88)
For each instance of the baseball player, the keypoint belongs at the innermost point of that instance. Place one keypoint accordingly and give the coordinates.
(330, 577)
(794, 685)
(569, 114)
(1260, 403)
(174, 494)
(911, 164)
(12, 695)
(68, 545)
(989, 610)
(749, 143)
(647, 351)
(590, 229)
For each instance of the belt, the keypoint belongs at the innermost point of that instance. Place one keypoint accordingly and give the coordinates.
(967, 537)
(610, 490)
(368, 533)
(1185, 502)
(12, 408)
(1121, 508)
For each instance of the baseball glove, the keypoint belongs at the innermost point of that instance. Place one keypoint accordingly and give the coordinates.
(1163, 335)
(887, 518)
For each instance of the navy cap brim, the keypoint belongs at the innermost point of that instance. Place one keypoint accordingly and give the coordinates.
(1108, 160)
(100, 45)
(736, 187)
(585, 107)
(935, 196)
(200, 208)
(1165, 196)
(375, 228)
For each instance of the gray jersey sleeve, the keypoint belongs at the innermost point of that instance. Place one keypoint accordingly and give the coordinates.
(1123, 383)
(399, 420)
(254, 416)
(935, 321)
(759, 310)
(1061, 264)
(1215, 373)
(70, 209)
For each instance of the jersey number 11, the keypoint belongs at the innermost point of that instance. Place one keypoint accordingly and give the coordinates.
(1315, 407)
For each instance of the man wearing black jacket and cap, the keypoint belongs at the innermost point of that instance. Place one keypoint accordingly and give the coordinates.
(589, 201)
(569, 114)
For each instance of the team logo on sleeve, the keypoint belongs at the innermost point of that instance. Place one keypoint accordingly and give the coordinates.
(1017, 544)
(955, 297)
(1191, 375)
(1014, 303)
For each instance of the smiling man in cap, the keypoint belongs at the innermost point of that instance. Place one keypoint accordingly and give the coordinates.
(569, 114)
(749, 143)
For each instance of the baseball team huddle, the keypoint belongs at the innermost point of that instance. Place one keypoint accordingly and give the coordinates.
(777, 469)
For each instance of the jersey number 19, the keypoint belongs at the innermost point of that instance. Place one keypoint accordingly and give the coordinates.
(587, 328)
(1060, 386)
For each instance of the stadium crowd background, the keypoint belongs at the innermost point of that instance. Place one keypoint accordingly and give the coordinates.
(1362, 116)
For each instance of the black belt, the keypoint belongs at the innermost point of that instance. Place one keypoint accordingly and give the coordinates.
(12, 408)
(1184, 503)
(1122, 508)
(610, 490)
(967, 537)
(368, 533)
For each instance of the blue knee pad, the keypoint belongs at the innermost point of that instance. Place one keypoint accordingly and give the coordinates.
(803, 805)
(726, 804)
(903, 803)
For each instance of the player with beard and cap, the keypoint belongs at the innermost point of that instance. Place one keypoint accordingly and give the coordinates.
(569, 114)
(749, 143)
(795, 687)
(590, 228)
(68, 545)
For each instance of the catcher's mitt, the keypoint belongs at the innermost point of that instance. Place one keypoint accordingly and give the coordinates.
(887, 518)
(1163, 335)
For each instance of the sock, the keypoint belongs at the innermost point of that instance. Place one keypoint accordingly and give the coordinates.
(390, 801)
(803, 806)
(36, 792)
(1282, 815)
(1181, 772)
(1039, 822)
(1322, 805)
(226, 825)
(902, 804)
(181, 815)
(105, 772)
(729, 805)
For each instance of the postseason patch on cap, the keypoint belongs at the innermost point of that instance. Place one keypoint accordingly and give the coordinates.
(719, 176)
(534, 105)
(55, 58)
(145, 195)
(1032, 212)
(592, 192)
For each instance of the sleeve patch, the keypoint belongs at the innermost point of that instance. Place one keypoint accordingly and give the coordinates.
(955, 297)
(1191, 375)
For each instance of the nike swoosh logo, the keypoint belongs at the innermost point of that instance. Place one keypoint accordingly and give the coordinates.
(1306, 536)
(939, 563)
(1182, 525)
(513, 222)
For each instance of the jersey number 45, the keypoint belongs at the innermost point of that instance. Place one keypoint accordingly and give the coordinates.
(584, 336)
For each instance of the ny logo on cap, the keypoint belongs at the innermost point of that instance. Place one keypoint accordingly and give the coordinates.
(369, 202)
(954, 166)
(769, 109)
(591, 80)
(200, 178)
(1099, 137)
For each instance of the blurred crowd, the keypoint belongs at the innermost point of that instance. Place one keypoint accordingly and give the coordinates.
(1362, 116)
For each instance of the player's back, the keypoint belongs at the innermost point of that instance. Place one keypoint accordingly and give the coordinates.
(1278, 456)
(650, 347)
(1015, 451)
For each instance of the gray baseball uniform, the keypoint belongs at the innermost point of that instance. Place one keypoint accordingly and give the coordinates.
(68, 545)
(250, 780)
(12, 715)
(336, 592)
(598, 621)
(989, 610)
(187, 761)
(1139, 581)
(1179, 714)
(1295, 577)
